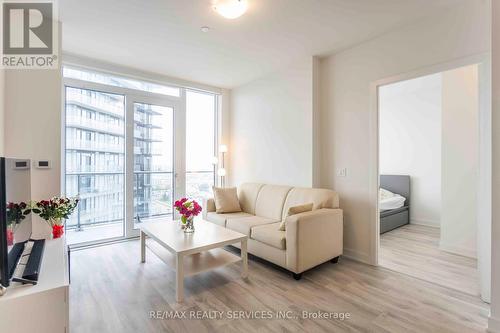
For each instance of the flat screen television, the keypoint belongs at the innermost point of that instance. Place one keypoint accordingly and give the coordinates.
(15, 194)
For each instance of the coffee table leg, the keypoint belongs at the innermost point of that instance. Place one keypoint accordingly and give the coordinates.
(143, 246)
(179, 278)
(244, 259)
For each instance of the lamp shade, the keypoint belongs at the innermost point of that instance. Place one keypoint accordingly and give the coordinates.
(231, 9)
(221, 172)
(222, 149)
(215, 160)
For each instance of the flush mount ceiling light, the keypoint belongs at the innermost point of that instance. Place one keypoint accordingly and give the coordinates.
(231, 9)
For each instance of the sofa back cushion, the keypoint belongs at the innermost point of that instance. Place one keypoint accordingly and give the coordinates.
(247, 195)
(270, 201)
(320, 198)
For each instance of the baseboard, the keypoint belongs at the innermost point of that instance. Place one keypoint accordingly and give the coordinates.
(493, 325)
(427, 223)
(461, 251)
(357, 256)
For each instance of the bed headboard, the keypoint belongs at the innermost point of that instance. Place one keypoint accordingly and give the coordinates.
(399, 184)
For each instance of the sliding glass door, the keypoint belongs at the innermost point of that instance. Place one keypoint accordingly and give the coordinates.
(131, 149)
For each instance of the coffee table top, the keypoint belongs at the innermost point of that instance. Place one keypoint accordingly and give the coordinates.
(207, 235)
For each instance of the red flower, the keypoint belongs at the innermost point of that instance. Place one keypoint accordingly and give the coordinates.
(187, 208)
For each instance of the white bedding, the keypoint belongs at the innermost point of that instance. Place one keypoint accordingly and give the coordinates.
(389, 200)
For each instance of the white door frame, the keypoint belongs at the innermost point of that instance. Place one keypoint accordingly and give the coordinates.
(484, 180)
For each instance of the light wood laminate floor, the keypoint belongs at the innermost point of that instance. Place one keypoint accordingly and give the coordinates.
(111, 291)
(414, 250)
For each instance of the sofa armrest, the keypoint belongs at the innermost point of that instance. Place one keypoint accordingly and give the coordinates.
(313, 238)
(208, 207)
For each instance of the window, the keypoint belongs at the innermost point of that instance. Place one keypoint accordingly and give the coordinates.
(123, 151)
(117, 81)
(200, 144)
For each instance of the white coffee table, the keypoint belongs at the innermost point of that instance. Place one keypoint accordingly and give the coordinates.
(190, 254)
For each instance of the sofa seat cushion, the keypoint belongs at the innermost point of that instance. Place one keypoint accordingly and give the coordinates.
(245, 224)
(221, 219)
(270, 234)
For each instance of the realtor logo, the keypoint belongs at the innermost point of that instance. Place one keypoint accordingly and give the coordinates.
(29, 38)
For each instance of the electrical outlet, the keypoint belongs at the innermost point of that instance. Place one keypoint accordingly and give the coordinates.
(342, 172)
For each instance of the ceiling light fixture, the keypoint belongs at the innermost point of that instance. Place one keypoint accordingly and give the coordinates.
(205, 29)
(231, 9)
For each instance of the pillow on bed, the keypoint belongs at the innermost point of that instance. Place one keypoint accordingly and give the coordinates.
(395, 202)
(385, 194)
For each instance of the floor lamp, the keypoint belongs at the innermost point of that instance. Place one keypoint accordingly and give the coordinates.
(221, 172)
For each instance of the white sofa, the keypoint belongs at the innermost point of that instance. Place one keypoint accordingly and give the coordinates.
(311, 238)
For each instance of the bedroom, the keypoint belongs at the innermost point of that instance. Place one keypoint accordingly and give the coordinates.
(430, 198)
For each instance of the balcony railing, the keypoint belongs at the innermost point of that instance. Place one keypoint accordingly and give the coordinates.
(198, 186)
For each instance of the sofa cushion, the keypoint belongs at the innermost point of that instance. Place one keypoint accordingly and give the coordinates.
(221, 219)
(270, 234)
(245, 224)
(270, 201)
(226, 200)
(321, 198)
(295, 210)
(247, 194)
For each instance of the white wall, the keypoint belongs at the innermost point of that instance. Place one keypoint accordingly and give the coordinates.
(33, 129)
(345, 102)
(410, 141)
(494, 321)
(271, 126)
(460, 161)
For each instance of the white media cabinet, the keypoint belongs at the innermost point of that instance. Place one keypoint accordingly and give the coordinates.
(44, 307)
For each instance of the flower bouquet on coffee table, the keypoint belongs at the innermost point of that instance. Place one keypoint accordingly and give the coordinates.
(188, 209)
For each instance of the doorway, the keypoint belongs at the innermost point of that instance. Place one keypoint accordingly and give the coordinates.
(433, 163)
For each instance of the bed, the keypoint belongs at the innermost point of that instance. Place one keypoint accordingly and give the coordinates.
(394, 209)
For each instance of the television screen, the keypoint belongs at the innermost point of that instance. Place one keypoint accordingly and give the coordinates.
(15, 194)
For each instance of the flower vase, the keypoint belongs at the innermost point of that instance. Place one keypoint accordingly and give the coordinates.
(10, 235)
(57, 231)
(57, 228)
(189, 225)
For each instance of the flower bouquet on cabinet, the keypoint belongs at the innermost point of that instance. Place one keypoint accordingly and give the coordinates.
(54, 212)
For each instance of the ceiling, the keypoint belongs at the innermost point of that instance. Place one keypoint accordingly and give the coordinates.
(164, 36)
